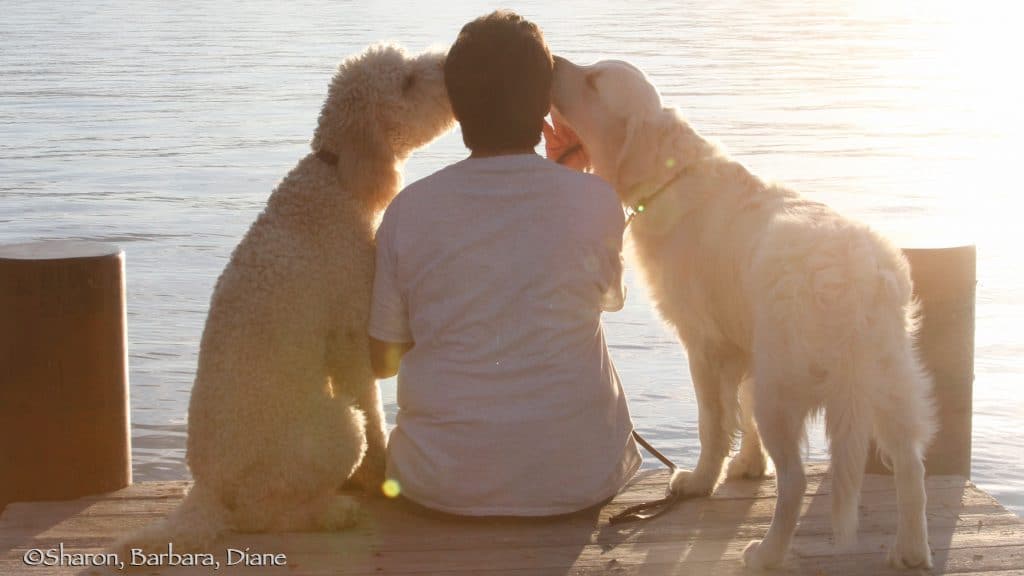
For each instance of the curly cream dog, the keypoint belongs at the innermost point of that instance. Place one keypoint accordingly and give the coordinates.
(272, 427)
(778, 300)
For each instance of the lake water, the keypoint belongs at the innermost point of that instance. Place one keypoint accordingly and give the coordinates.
(163, 127)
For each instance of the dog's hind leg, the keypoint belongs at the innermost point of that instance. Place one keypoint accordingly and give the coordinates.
(259, 508)
(848, 426)
(716, 411)
(903, 424)
(750, 461)
(293, 487)
(782, 427)
(327, 512)
(261, 502)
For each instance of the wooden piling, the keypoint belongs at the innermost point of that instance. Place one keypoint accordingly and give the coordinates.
(64, 411)
(944, 283)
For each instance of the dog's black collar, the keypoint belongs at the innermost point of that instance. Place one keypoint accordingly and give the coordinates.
(327, 157)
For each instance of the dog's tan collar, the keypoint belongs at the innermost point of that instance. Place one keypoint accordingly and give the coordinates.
(327, 157)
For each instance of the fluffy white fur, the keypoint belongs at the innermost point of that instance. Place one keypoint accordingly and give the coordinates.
(274, 419)
(784, 307)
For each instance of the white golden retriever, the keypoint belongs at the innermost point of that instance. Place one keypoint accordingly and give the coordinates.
(780, 302)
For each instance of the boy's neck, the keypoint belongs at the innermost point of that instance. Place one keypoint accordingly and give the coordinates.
(499, 152)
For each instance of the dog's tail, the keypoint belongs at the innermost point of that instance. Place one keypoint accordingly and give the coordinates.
(848, 425)
(883, 391)
(192, 526)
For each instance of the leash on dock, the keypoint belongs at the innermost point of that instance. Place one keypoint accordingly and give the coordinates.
(642, 511)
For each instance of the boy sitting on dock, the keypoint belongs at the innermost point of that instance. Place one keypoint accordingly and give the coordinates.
(491, 278)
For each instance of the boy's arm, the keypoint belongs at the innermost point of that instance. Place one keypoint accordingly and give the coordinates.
(389, 332)
(614, 297)
(385, 357)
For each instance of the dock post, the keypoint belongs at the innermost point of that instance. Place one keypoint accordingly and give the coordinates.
(944, 283)
(64, 410)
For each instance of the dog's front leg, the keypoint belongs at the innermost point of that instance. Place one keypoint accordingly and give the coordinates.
(353, 379)
(370, 474)
(714, 427)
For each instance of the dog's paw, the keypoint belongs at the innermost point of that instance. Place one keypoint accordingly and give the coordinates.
(688, 483)
(906, 555)
(369, 477)
(339, 513)
(746, 466)
(756, 557)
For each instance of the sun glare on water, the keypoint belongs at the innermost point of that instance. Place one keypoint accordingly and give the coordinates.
(965, 66)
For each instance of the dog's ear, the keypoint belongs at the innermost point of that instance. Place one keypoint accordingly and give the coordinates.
(348, 127)
(629, 129)
(649, 145)
(366, 162)
(636, 161)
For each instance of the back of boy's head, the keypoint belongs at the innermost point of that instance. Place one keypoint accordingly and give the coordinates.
(498, 76)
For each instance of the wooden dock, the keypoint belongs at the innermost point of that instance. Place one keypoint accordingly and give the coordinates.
(970, 533)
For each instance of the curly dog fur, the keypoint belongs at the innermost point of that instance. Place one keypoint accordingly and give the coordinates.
(275, 424)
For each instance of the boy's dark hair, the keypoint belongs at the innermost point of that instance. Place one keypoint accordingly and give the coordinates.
(498, 75)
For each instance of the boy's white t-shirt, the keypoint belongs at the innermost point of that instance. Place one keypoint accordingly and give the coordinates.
(498, 269)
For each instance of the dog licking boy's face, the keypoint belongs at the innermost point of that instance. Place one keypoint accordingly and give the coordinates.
(598, 102)
(563, 145)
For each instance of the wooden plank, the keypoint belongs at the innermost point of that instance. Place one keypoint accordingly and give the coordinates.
(400, 525)
(647, 485)
(807, 557)
(970, 533)
(706, 515)
(156, 498)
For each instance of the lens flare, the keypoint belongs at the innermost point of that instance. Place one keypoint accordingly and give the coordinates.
(391, 488)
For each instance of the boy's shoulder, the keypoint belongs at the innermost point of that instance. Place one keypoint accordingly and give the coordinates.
(591, 191)
(438, 179)
(582, 191)
(585, 180)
